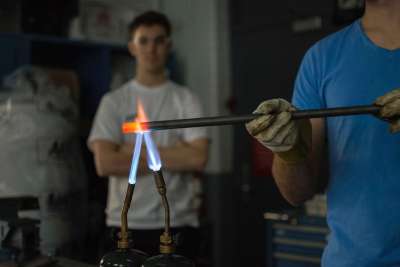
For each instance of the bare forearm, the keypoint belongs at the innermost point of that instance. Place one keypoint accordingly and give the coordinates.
(116, 163)
(112, 164)
(115, 159)
(183, 158)
(296, 182)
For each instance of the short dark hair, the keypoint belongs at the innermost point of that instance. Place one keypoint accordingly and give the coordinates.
(150, 18)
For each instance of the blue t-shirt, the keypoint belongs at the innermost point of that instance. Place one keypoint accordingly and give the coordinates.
(346, 69)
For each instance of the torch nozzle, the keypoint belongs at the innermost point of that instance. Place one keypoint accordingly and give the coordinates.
(166, 244)
(123, 236)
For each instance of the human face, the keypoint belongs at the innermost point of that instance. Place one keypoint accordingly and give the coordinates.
(150, 45)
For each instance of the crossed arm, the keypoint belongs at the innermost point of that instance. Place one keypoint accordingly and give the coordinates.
(301, 181)
(112, 159)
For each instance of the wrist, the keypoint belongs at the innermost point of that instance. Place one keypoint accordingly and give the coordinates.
(296, 155)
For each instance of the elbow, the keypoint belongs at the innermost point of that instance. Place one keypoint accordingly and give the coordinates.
(101, 172)
(297, 195)
(295, 202)
(296, 199)
(200, 163)
(101, 169)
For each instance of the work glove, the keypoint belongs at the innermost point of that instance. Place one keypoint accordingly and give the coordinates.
(390, 110)
(288, 139)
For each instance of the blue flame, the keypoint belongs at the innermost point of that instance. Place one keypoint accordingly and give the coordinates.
(153, 157)
(135, 158)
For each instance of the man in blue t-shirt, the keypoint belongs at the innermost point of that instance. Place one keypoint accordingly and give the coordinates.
(354, 66)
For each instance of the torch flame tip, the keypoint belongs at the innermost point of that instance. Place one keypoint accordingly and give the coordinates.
(140, 127)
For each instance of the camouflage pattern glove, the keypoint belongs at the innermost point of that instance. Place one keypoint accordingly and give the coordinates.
(390, 110)
(288, 139)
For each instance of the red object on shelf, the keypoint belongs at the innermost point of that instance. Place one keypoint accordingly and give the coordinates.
(261, 159)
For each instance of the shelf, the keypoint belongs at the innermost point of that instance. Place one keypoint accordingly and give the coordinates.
(92, 61)
(64, 41)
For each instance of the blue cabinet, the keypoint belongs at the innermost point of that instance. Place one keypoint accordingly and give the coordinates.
(295, 241)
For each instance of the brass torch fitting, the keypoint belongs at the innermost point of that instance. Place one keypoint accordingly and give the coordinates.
(166, 244)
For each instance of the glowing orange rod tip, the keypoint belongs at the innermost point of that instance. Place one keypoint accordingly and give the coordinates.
(134, 127)
(139, 125)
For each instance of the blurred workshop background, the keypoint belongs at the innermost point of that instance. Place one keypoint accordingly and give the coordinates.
(58, 58)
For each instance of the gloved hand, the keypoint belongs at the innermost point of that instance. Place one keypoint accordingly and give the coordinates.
(288, 139)
(390, 110)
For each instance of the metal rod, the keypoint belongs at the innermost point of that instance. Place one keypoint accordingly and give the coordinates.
(226, 120)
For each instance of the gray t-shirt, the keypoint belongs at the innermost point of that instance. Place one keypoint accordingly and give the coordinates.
(165, 102)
